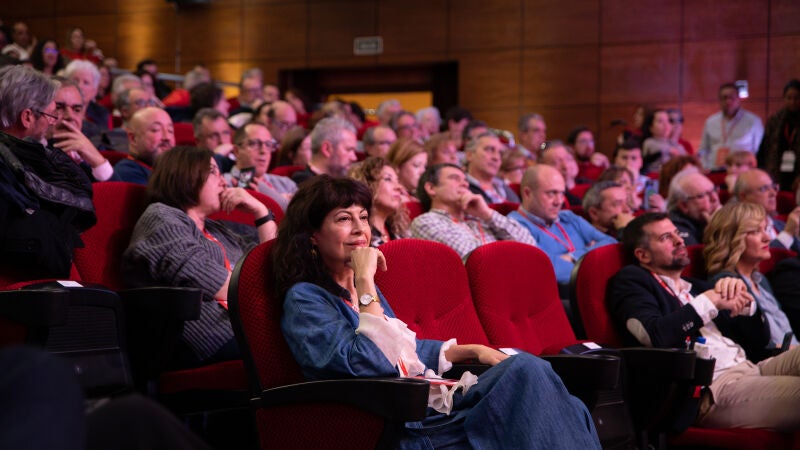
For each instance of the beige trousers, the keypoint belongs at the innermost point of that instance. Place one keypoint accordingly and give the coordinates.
(766, 395)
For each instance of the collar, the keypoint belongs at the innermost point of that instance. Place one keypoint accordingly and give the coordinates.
(679, 288)
(444, 213)
(538, 220)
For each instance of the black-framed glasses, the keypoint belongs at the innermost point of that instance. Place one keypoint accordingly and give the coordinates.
(270, 145)
(709, 194)
(52, 117)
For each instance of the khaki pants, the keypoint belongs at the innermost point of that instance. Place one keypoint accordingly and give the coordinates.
(766, 395)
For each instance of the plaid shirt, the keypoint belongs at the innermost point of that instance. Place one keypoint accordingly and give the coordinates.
(464, 237)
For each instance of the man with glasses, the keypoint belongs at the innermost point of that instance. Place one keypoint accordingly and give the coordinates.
(756, 186)
(562, 234)
(281, 117)
(691, 201)
(150, 134)
(731, 129)
(45, 198)
(378, 139)
(405, 125)
(253, 150)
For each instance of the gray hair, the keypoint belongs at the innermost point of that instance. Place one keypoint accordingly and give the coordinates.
(118, 87)
(21, 88)
(196, 76)
(677, 192)
(472, 144)
(203, 113)
(594, 196)
(386, 104)
(329, 130)
(254, 72)
(369, 136)
(522, 125)
(62, 83)
(80, 65)
(432, 110)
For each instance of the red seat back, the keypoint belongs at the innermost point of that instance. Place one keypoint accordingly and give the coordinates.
(414, 209)
(286, 171)
(718, 178)
(505, 208)
(580, 190)
(247, 219)
(118, 206)
(785, 202)
(113, 156)
(516, 296)
(777, 255)
(697, 264)
(589, 280)
(184, 133)
(427, 287)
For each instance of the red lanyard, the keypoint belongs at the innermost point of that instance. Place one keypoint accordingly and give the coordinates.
(789, 137)
(669, 289)
(464, 224)
(567, 242)
(211, 238)
(140, 163)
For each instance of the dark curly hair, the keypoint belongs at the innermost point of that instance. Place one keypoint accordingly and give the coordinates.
(292, 259)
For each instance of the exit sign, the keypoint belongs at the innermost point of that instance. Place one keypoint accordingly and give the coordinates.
(369, 45)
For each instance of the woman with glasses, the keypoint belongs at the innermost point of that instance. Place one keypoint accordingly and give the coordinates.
(736, 242)
(46, 58)
(175, 244)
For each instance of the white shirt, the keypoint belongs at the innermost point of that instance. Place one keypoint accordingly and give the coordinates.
(742, 132)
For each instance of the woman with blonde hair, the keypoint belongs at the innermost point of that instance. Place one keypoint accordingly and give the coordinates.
(736, 241)
(409, 159)
(388, 216)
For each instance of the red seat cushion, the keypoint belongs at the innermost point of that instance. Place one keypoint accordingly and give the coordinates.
(223, 376)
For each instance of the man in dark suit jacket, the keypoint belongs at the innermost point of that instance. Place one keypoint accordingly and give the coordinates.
(785, 281)
(653, 306)
(756, 186)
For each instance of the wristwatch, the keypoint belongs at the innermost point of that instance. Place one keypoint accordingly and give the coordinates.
(367, 299)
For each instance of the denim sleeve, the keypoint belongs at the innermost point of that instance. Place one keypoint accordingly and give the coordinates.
(320, 330)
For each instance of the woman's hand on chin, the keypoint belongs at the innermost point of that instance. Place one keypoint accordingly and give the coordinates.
(238, 198)
(365, 261)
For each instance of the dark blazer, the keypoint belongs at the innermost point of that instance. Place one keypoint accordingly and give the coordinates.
(633, 293)
(691, 230)
(779, 226)
(785, 281)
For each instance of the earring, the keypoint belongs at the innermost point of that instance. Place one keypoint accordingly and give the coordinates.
(314, 252)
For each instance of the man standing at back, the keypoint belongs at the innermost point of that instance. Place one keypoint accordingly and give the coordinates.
(150, 135)
(562, 234)
(730, 130)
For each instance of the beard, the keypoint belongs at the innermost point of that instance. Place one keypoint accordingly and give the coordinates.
(678, 262)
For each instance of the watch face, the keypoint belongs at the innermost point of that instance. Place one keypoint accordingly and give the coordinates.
(366, 299)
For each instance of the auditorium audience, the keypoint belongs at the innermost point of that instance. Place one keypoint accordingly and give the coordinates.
(161, 89)
(692, 200)
(253, 150)
(737, 163)
(653, 306)
(555, 154)
(208, 95)
(560, 233)
(378, 139)
(181, 97)
(79, 48)
(736, 242)
(590, 162)
(281, 117)
(175, 244)
(624, 178)
(756, 186)
(455, 119)
(513, 166)
(405, 125)
(457, 217)
(779, 151)
(484, 156)
(731, 129)
(386, 111)
(338, 324)
(333, 149)
(46, 58)
(676, 130)
(429, 120)
(150, 134)
(606, 205)
(656, 145)
(295, 148)
(441, 149)
(532, 134)
(86, 75)
(628, 154)
(388, 216)
(408, 158)
(250, 92)
(674, 166)
(22, 42)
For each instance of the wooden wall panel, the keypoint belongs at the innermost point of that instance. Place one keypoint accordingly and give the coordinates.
(16, 10)
(127, 7)
(208, 31)
(784, 17)
(719, 19)
(334, 25)
(481, 24)
(561, 119)
(499, 69)
(784, 63)
(550, 23)
(500, 118)
(639, 73)
(413, 26)
(101, 28)
(551, 76)
(275, 31)
(85, 7)
(640, 21)
(148, 35)
(709, 64)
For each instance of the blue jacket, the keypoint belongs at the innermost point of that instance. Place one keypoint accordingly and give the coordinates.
(583, 235)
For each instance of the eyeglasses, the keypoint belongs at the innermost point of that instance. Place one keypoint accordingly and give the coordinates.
(763, 189)
(270, 145)
(710, 194)
(50, 117)
(52, 51)
(283, 125)
(674, 121)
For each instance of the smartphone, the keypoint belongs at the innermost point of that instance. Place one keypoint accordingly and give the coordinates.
(650, 188)
(245, 177)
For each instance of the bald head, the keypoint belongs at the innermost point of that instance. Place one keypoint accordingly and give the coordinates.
(150, 134)
(281, 117)
(756, 186)
(543, 192)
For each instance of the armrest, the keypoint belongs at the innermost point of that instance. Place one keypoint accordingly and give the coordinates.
(395, 399)
(660, 363)
(179, 303)
(586, 373)
(41, 307)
